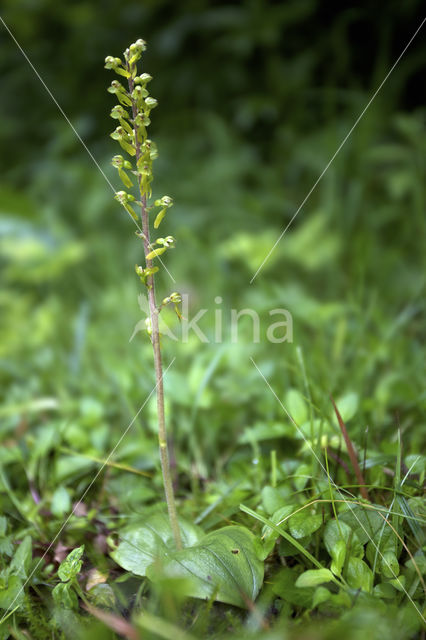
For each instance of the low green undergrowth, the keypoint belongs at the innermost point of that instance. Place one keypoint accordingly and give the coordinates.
(280, 537)
(271, 544)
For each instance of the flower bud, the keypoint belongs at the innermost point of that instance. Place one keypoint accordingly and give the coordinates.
(118, 162)
(118, 133)
(138, 46)
(120, 196)
(142, 120)
(116, 87)
(150, 102)
(139, 93)
(144, 78)
(165, 201)
(112, 63)
(123, 198)
(109, 62)
(167, 242)
(119, 112)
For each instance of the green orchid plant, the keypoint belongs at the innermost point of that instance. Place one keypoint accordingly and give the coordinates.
(133, 115)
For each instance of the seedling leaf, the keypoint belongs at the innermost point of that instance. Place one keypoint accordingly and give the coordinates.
(70, 567)
(314, 577)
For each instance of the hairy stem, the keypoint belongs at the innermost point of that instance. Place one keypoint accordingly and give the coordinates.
(155, 339)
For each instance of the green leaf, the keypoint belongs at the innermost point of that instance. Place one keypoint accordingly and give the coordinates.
(269, 536)
(281, 516)
(334, 532)
(155, 253)
(22, 559)
(338, 554)
(143, 542)
(416, 463)
(359, 575)
(159, 218)
(408, 507)
(225, 565)
(296, 406)
(61, 502)
(287, 550)
(315, 428)
(321, 594)
(69, 568)
(265, 431)
(284, 586)
(12, 595)
(280, 529)
(339, 539)
(3, 526)
(420, 560)
(64, 596)
(399, 583)
(102, 595)
(304, 523)
(314, 577)
(385, 541)
(365, 522)
(303, 474)
(389, 565)
(347, 406)
(272, 499)
(384, 590)
(6, 546)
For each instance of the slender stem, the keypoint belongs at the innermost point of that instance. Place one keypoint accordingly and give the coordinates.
(155, 339)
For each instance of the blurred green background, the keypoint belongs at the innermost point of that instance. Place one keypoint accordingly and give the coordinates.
(254, 99)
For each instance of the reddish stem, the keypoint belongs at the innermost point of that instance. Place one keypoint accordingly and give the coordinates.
(351, 452)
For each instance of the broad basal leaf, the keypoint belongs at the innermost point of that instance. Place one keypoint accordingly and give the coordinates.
(225, 564)
(141, 543)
